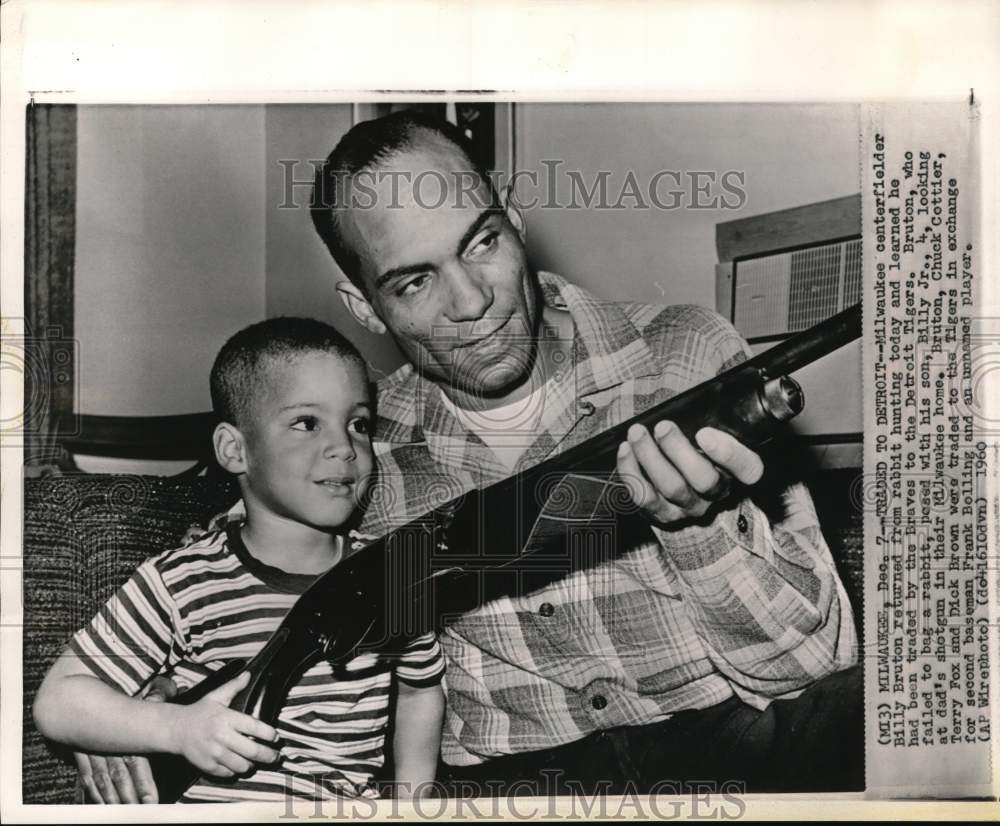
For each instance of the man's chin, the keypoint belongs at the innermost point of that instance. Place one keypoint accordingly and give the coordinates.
(499, 384)
(492, 375)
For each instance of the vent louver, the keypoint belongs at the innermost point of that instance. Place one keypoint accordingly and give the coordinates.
(776, 295)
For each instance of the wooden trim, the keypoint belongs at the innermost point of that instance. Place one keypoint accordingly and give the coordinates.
(503, 140)
(724, 289)
(831, 438)
(187, 436)
(808, 225)
(51, 385)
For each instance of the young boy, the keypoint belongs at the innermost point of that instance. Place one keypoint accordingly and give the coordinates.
(295, 417)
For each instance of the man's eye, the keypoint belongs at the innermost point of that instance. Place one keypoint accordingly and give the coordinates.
(307, 423)
(412, 286)
(362, 426)
(487, 242)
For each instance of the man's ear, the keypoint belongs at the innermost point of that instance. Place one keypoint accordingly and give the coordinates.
(359, 307)
(513, 211)
(230, 448)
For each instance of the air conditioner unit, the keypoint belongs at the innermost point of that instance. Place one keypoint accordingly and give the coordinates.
(781, 293)
(782, 272)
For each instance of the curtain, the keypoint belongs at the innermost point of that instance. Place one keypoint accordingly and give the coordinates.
(49, 357)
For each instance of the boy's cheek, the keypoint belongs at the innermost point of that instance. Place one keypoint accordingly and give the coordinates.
(365, 464)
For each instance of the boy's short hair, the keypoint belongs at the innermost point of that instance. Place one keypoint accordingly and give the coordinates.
(240, 369)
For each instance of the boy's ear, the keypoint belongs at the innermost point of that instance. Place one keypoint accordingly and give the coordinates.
(359, 307)
(230, 448)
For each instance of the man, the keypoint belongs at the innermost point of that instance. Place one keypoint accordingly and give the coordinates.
(717, 642)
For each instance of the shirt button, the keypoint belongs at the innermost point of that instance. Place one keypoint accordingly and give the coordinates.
(546, 609)
(599, 702)
(741, 523)
(587, 408)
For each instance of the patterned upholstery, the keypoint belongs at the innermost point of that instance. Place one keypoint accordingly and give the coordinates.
(84, 534)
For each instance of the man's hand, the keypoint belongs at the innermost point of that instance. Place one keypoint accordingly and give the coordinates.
(122, 779)
(671, 481)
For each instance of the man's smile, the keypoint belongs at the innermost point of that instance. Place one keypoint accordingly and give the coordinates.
(481, 334)
(478, 336)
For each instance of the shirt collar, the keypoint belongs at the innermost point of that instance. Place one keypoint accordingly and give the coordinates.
(610, 349)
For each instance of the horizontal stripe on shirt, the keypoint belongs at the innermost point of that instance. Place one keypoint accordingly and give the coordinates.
(192, 610)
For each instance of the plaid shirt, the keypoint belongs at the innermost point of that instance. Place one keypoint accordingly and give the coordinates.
(679, 619)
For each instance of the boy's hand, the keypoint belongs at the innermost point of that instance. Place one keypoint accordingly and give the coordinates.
(217, 740)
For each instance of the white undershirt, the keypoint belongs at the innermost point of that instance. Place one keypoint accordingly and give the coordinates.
(508, 430)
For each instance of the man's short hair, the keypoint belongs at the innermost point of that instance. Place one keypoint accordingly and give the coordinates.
(240, 373)
(365, 146)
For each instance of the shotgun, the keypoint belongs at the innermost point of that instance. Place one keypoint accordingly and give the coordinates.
(504, 539)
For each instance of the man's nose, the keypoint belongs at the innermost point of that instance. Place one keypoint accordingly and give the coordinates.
(470, 296)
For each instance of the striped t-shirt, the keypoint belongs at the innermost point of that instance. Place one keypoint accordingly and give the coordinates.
(191, 610)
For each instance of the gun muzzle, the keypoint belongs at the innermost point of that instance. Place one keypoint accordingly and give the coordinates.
(782, 398)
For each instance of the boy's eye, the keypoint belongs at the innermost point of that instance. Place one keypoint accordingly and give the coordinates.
(362, 426)
(307, 423)
(412, 286)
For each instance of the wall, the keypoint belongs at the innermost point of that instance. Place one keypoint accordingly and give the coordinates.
(182, 238)
(301, 274)
(170, 250)
(790, 154)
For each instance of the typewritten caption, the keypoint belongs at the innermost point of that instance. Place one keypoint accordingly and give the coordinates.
(928, 642)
